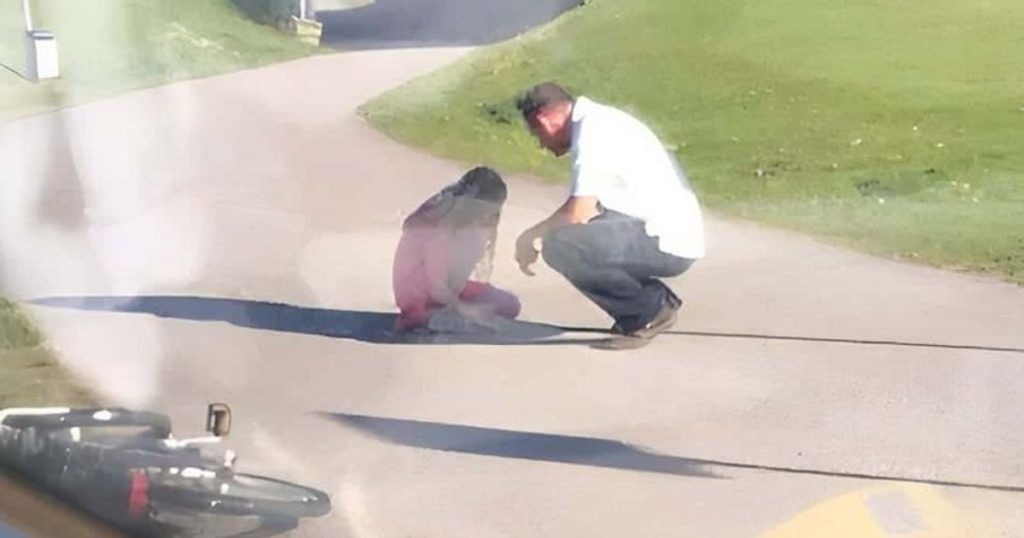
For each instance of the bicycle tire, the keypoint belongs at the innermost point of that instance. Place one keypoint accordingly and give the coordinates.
(159, 425)
(241, 495)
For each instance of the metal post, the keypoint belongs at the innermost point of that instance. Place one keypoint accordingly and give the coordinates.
(28, 16)
(302, 9)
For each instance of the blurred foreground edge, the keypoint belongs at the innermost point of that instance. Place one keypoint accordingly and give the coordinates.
(30, 513)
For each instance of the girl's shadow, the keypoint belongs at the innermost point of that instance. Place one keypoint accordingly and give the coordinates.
(372, 327)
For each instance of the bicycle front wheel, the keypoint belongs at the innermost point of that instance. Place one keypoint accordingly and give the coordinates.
(241, 495)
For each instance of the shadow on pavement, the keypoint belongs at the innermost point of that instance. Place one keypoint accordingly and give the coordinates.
(375, 327)
(795, 338)
(591, 451)
(370, 327)
(392, 24)
(587, 451)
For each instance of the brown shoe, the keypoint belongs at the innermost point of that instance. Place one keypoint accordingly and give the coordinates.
(674, 299)
(620, 343)
(663, 320)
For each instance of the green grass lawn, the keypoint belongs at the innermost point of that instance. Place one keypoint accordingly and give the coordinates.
(894, 127)
(111, 46)
(30, 375)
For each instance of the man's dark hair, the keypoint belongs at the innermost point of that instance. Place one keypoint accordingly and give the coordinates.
(540, 96)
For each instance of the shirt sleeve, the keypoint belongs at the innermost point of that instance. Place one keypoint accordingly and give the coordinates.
(437, 263)
(450, 262)
(468, 247)
(593, 162)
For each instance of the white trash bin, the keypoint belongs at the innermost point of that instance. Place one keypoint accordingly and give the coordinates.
(43, 60)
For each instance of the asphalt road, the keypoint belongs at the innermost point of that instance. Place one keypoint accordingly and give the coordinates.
(209, 241)
(433, 23)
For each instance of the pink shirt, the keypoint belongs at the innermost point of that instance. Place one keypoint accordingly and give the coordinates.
(433, 264)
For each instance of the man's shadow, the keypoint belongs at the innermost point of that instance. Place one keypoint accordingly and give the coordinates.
(371, 327)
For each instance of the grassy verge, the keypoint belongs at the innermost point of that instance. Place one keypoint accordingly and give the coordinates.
(113, 46)
(29, 373)
(30, 376)
(891, 127)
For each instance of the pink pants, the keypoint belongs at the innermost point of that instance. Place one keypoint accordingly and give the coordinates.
(500, 302)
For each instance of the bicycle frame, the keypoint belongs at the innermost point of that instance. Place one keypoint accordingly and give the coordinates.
(139, 481)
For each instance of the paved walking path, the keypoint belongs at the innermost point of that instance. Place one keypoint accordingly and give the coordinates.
(212, 241)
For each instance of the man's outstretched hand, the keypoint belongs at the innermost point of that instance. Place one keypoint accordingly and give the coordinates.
(527, 252)
(575, 210)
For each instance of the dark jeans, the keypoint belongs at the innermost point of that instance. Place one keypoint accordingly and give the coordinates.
(613, 261)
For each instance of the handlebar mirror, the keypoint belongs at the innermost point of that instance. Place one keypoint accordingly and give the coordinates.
(218, 419)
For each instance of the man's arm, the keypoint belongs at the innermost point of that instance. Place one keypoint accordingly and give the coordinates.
(575, 210)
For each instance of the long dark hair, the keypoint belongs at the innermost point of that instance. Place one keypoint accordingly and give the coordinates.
(474, 201)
